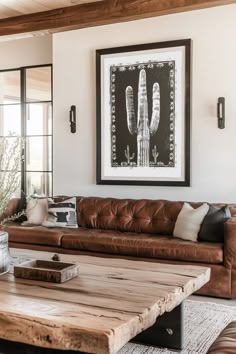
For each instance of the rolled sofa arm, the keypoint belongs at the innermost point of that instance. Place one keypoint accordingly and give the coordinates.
(230, 243)
(12, 208)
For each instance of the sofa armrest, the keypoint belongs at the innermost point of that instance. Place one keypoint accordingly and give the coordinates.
(12, 208)
(230, 243)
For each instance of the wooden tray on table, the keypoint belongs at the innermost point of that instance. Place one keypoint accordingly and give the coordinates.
(52, 271)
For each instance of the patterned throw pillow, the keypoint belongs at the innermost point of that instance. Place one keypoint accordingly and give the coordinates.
(61, 214)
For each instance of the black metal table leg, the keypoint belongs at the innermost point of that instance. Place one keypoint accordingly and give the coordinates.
(8, 347)
(166, 332)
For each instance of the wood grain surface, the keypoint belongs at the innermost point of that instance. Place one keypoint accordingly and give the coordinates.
(98, 13)
(10, 8)
(110, 302)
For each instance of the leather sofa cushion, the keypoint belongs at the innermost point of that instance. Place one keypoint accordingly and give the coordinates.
(226, 342)
(37, 235)
(142, 245)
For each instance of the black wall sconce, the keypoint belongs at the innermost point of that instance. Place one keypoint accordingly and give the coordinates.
(73, 119)
(221, 112)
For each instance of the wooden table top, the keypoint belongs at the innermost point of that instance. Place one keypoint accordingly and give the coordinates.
(109, 303)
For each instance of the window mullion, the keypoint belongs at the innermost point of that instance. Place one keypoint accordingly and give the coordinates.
(23, 132)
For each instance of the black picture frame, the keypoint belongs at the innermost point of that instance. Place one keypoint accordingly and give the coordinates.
(143, 114)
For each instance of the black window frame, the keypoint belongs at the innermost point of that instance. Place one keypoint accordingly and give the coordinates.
(23, 108)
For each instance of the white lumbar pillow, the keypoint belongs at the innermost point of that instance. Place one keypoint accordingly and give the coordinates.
(189, 221)
(36, 211)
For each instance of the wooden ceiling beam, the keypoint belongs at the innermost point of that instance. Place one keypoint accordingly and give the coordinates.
(100, 13)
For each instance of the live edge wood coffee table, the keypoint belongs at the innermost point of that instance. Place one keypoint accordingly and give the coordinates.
(111, 302)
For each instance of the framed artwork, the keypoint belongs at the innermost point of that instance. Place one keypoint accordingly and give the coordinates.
(143, 114)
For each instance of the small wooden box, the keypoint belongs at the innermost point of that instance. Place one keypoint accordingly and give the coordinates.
(52, 271)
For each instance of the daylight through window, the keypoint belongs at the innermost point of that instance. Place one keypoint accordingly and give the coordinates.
(26, 111)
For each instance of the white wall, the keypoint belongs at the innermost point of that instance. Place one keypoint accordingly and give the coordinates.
(213, 151)
(26, 52)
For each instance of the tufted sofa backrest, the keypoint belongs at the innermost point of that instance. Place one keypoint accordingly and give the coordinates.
(131, 215)
(148, 216)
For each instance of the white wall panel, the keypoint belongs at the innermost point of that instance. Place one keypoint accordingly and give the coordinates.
(213, 151)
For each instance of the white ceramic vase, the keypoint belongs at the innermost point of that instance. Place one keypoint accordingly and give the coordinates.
(4, 253)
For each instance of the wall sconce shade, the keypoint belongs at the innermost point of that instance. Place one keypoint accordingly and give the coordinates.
(73, 119)
(221, 112)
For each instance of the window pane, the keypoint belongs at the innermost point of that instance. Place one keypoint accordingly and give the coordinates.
(10, 120)
(13, 180)
(38, 84)
(10, 87)
(10, 154)
(39, 183)
(39, 154)
(39, 119)
(34, 122)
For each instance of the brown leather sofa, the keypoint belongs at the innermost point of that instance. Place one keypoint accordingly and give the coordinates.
(226, 341)
(134, 229)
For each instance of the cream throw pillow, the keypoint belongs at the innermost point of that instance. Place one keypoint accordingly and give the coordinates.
(189, 221)
(36, 211)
